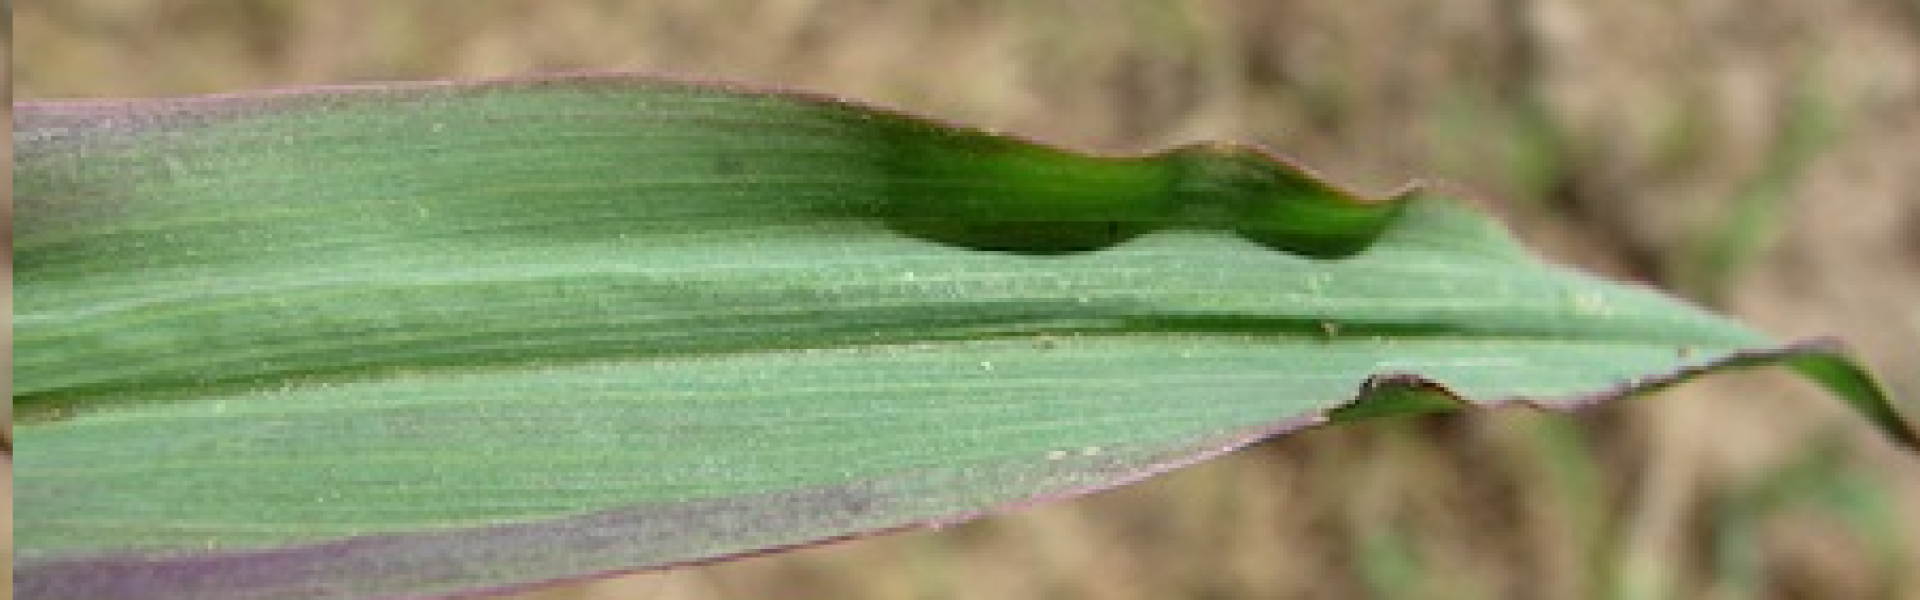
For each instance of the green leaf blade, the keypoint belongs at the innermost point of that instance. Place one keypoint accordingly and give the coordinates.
(434, 339)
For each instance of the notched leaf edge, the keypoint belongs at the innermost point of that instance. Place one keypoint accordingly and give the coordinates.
(1821, 360)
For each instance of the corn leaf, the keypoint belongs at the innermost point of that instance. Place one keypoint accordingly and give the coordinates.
(427, 339)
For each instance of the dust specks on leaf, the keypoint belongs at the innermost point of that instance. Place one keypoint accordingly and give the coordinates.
(1591, 304)
(1316, 283)
(175, 168)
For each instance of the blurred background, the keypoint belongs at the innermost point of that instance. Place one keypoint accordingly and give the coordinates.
(1758, 156)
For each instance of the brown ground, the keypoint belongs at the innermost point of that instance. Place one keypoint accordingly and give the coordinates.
(1762, 155)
